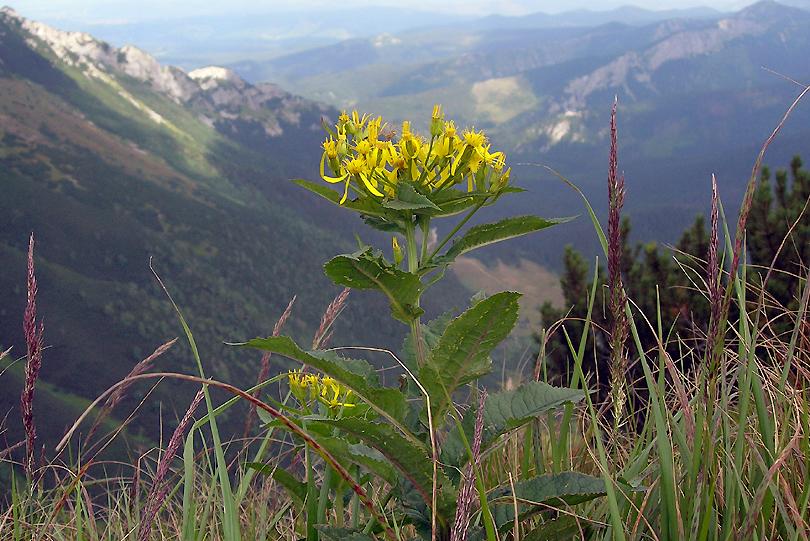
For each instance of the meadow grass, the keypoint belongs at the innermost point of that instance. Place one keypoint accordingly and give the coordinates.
(711, 444)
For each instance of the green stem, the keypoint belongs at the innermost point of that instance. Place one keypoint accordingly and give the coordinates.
(455, 230)
(413, 267)
(424, 224)
(373, 521)
(326, 485)
(312, 496)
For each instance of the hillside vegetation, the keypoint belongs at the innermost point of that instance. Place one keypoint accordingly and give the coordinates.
(115, 164)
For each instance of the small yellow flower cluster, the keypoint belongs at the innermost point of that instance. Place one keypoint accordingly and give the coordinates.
(361, 155)
(330, 392)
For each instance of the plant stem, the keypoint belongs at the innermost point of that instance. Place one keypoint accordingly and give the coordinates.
(413, 267)
(455, 230)
(312, 496)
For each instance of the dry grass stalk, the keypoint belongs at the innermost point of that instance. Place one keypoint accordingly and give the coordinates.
(466, 489)
(159, 492)
(266, 365)
(618, 298)
(332, 312)
(118, 395)
(33, 339)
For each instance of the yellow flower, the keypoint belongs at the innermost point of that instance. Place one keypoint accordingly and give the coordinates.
(330, 148)
(361, 154)
(497, 161)
(298, 385)
(334, 403)
(355, 166)
(363, 147)
(473, 139)
(374, 129)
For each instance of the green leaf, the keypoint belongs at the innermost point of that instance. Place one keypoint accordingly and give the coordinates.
(362, 455)
(332, 533)
(505, 411)
(408, 199)
(452, 202)
(431, 333)
(363, 270)
(295, 488)
(382, 224)
(562, 528)
(390, 403)
(569, 487)
(462, 354)
(412, 459)
(364, 205)
(484, 234)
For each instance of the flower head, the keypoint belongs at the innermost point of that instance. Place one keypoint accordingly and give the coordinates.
(360, 154)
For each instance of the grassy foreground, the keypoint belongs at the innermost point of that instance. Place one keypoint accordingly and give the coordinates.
(713, 443)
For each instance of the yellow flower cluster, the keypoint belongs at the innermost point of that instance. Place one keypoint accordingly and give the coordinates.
(361, 154)
(325, 389)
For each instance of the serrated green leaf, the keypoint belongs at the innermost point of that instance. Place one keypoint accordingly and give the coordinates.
(364, 205)
(363, 270)
(362, 455)
(552, 489)
(382, 224)
(390, 403)
(505, 411)
(431, 333)
(462, 354)
(412, 459)
(562, 528)
(409, 199)
(484, 234)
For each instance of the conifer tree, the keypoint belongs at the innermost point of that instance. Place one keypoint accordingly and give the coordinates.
(778, 236)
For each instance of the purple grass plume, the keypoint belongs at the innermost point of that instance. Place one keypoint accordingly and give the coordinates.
(159, 492)
(266, 366)
(719, 308)
(332, 312)
(33, 338)
(618, 298)
(715, 292)
(466, 489)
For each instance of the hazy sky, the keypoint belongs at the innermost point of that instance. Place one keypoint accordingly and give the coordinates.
(96, 11)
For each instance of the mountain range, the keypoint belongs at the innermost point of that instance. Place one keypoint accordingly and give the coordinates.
(113, 160)
(696, 97)
(117, 165)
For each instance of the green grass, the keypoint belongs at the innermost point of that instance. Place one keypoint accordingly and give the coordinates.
(734, 467)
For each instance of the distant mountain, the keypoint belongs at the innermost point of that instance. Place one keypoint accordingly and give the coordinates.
(194, 41)
(249, 42)
(695, 96)
(630, 15)
(114, 161)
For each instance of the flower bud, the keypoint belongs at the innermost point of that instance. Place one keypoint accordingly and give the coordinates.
(437, 121)
(397, 252)
(342, 145)
(500, 183)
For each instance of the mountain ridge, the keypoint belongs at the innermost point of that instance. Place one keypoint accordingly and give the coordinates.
(119, 165)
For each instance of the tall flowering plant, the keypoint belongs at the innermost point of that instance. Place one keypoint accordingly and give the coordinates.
(399, 186)
(398, 183)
